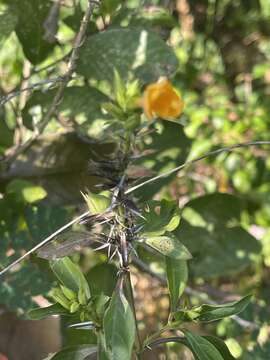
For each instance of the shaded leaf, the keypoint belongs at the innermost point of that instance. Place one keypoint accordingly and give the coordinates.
(31, 33)
(102, 279)
(210, 228)
(119, 328)
(209, 313)
(70, 275)
(169, 148)
(80, 352)
(221, 346)
(8, 21)
(177, 276)
(201, 348)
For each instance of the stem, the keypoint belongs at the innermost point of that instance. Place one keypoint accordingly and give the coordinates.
(164, 341)
(132, 302)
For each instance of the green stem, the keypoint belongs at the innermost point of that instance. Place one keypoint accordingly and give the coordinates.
(132, 302)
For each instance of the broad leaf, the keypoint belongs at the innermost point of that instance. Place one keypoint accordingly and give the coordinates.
(177, 276)
(169, 245)
(201, 348)
(209, 313)
(119, 328)
(102, 279)
(31, 33)
(70, 275)
(8, 21)
(41, 313)
(170, 148)
(83, 103)
(20, 229)
(136, 52)
(210, 228)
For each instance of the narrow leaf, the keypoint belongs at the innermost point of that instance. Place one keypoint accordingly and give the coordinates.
(119, 328)
(177, 276)
(79, 352)
(221, 346)
(201, 348)
(41, 313)
(216, 312)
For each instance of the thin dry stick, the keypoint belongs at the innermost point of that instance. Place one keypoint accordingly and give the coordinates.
(65, 80)
(211, 153)
(31, 87)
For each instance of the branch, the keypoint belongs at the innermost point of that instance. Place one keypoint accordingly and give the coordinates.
(13, 153)
(211, 153)
(13, 94)
(189, 291)
(188, 163)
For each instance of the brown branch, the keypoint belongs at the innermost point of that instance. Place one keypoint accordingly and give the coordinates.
(14, 152)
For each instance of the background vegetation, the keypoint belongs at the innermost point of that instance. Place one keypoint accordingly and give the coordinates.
(216, 52)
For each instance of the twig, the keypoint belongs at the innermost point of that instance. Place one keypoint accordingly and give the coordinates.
(13, 153)
(161, 341)
(13, 94)
(44, 242)
(211, 153)
(189, 291)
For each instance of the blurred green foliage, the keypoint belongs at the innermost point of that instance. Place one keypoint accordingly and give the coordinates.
(217, 55)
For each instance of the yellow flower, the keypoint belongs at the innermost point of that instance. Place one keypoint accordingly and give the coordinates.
(161, 100)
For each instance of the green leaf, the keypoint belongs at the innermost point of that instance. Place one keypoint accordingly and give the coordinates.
(201, 348)
(119, 328)
(31, 33)
(83, 103)
(120, 90)
(220, 346)
(26, 191)
(159, 217)
(170, 246)
(209, 313)
(80, 352)
(41, 313)
(210, 228)
(177, 276)
(107, 7)
(8, 21)
(102, 279)
(136, 52)
(96, 203)
(171, 147)
(70, 275)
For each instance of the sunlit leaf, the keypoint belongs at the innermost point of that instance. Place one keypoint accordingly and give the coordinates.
(169, 245)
